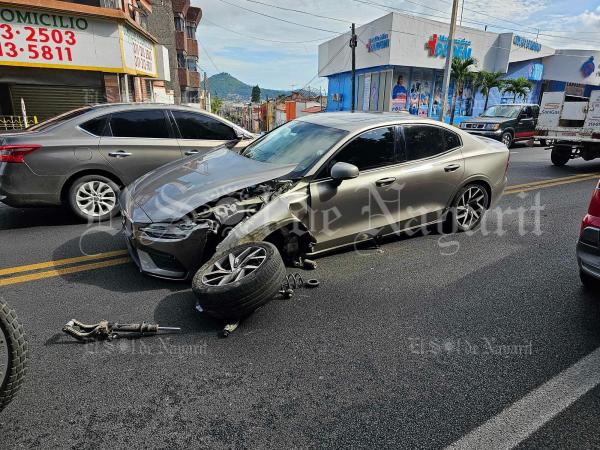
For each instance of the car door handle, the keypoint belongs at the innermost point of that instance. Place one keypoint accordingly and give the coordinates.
(119, 154)
(385, 181)
(192, 152)
(451, 167)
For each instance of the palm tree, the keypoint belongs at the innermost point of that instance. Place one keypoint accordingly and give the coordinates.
(485, 81)
(461, 73)
(519, 87)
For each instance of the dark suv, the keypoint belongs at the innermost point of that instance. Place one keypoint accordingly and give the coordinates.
(505, 123)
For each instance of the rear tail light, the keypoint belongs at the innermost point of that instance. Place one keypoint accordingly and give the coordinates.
(592, 218)
(595, 135)
(16, 153)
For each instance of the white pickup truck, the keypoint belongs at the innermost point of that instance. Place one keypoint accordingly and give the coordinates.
(572, 123)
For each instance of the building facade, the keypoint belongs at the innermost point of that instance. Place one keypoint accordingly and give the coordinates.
(174, 23)
(400, 60)
(59, 55)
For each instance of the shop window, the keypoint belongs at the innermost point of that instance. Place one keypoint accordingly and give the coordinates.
(149, 123)
(199, 126)
(374, 91)
(423, 141)
(371, 149)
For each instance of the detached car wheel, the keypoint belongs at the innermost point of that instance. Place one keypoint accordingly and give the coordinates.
(94, 198)
(13, 354)
(468, 208)
(233, 284)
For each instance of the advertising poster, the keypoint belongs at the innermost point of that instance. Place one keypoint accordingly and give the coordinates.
(399, 92)
(415, 93)
(374, 95)
(437, 95)
(366, 92)
(425, 96)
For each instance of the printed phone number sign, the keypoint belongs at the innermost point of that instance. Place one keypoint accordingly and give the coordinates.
(47, 39)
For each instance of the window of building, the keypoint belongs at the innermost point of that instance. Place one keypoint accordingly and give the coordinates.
(181, 60)
(373, 91)
(179, 23)
(190, 30)
(374, 148)
(192, 63)
(199, 126)
(424, 141)
(149, 123)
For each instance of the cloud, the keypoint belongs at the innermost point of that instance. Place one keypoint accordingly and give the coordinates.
(591, 18)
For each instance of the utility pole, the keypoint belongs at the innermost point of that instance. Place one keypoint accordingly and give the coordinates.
(462, 9)
(353, 47)
(449, 56)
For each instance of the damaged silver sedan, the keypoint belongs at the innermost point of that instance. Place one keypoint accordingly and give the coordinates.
(314, 184)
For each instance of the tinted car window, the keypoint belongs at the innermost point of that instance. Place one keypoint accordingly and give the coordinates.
(96, 126)
(371, 149)
(423, 141)
(150, 123)
(527, 112)
(199, 126)
(450, 139)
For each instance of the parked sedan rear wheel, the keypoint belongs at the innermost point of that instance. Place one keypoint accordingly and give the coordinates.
(13, 354)
(94, 198)
(233, 284)
(468, 208)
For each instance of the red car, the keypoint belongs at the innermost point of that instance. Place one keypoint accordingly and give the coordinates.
(588, 248)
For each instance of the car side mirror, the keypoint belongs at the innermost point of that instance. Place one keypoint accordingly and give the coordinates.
(343, 171)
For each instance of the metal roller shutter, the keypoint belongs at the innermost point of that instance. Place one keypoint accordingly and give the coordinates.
(49, 101)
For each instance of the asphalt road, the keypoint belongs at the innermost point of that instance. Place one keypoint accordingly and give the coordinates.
(413, 345)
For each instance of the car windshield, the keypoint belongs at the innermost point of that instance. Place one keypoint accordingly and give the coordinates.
(510, 111)
(59, 119)
(297, 142)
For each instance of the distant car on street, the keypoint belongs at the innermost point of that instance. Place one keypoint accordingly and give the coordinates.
(83, 158)
(588, 248)
(506, 123)
(320, 182)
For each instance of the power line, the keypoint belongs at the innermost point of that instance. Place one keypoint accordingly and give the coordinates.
(298, 11)
(208, 54)
(278, 18)
(259, 38)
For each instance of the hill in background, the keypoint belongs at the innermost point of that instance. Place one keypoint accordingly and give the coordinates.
(230, 88)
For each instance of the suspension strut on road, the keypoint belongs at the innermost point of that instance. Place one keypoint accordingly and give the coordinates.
(105, 330)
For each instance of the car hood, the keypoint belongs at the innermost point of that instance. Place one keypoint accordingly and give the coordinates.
(170, 192)
(481, 119)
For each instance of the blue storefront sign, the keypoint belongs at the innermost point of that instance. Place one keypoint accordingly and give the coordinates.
(520, 41)
(378, 42)
(438, 46)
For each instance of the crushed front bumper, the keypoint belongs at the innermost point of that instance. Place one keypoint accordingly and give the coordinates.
(173, 259)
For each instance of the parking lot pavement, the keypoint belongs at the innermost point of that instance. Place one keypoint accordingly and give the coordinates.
(415, 344)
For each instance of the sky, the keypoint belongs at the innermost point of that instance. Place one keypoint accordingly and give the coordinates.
(275, 54)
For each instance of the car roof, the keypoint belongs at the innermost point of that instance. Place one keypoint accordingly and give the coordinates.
(353, 121)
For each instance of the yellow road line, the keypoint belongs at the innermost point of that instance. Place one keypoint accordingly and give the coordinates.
(60, 262)
(65, 271)
(553, 180)
(513, 190)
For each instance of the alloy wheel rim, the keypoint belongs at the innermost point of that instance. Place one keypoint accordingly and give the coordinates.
(234, 266)
(95, 198)
(506, 139)
(470, 207)
(4, 354)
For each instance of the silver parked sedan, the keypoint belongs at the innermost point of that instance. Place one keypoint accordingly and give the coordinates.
(84, 157)
(319, 182)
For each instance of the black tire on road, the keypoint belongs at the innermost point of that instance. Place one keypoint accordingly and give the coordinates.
(239, 298)
(110, 193)
(507, 139)
(543, 142)
(12, 338)
(478, 205)
(590, 283)
(560, 155)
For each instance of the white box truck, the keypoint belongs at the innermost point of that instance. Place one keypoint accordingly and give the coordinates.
(572, 123)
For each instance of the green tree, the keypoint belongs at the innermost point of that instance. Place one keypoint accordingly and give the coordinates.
(255, 94)
(215, 104)
(460, 73)
(485, 81)
(519, 87)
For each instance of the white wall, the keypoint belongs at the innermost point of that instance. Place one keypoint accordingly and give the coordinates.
(566, 66)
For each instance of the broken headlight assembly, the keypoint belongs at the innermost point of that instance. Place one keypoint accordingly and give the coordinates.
(178, 230)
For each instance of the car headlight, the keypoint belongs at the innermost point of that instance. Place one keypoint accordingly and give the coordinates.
(177, 230)
(492, 126)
